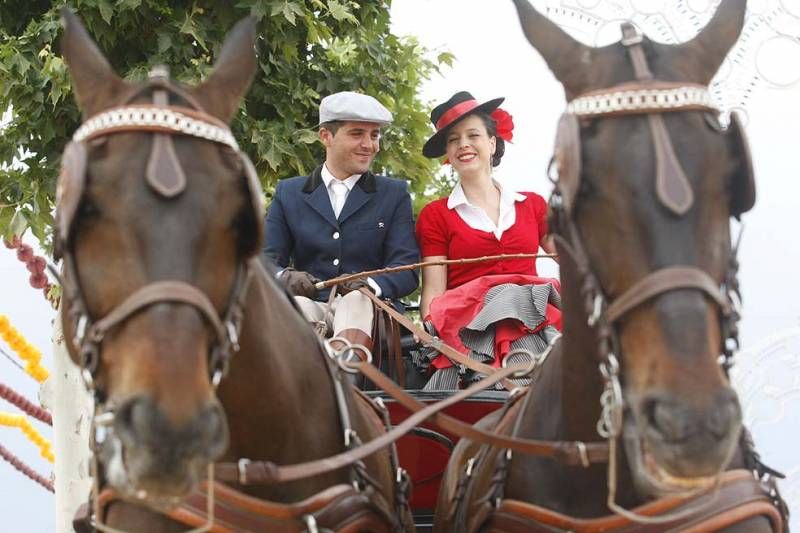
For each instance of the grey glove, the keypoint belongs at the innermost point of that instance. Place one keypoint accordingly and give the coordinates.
(300, 283)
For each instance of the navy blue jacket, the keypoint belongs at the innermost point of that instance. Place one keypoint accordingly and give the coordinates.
(375, 230)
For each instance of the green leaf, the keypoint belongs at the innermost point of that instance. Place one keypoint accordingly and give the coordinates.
(340, 12)
(164, 42)
(306, 136)
(18, 225)
(106, 10)
(23, 64)
(129, 5)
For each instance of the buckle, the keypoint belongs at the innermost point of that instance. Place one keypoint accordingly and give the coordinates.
(634, 35)
(636, 38)
(583, 454)
(242, 466)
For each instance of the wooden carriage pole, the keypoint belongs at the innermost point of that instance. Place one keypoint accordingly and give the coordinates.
(65, 395)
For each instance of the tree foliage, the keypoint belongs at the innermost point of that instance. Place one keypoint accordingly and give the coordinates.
(306, 49)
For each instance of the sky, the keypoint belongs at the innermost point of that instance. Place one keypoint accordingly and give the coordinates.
(494, 59)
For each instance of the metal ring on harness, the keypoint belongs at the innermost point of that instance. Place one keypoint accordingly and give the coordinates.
(343, 357)
(534, 360)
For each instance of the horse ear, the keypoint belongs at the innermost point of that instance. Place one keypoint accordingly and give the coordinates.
(560, 51)
(705, 53)
(233, 72)
(95, 83)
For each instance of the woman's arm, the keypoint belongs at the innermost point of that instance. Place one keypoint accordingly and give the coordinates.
(434, 283)
(549, 246)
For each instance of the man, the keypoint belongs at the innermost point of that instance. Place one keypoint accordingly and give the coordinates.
(344, 219)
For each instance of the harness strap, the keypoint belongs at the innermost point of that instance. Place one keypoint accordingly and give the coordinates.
(740, 497)
(665, 280)
(672, 185)
(266, 472)
(165, 174)
(450, 352)
(334, 509)
(160, 291)
(566, 452)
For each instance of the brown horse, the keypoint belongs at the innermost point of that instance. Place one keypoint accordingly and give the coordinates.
(654, 254)
(159, 231)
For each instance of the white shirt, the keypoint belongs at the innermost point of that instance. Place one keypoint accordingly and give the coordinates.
(476, 218)
(329, 180)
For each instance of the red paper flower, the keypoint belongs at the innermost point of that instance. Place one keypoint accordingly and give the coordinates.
(505, 124)
(38, 280)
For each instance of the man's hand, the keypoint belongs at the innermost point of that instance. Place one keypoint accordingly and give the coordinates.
(300, 283)
(354, 285)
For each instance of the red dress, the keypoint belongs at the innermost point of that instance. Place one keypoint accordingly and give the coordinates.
(442, 232)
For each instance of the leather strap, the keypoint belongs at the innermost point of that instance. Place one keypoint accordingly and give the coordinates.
(450, 352)
(159, 291)
(337, 508)
(266, 472)
(567, 452)
(164, 172)
(740, 497)
(672, 185)
(665, 280)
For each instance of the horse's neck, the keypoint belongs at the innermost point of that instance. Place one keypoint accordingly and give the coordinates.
(278, 395)
(581, 384)
(565, 406)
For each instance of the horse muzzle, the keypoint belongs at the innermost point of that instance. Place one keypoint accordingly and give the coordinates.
(148, 459)
(674, 446)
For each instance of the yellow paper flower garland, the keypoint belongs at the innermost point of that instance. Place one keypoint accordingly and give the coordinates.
(24, 349)
(19, 421)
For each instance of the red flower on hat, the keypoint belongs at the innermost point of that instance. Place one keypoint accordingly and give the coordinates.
(505, 124)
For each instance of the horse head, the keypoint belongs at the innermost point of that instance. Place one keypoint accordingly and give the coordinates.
(649, 196)
(158, 215)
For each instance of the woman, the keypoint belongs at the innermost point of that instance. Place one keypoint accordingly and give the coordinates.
(488, 308)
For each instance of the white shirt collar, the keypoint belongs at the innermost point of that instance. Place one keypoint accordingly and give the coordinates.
(507, 197)
(327, 178)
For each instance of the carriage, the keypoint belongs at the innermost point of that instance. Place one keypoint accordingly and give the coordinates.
(534, 460)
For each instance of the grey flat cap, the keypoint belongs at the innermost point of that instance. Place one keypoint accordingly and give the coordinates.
(348, 105)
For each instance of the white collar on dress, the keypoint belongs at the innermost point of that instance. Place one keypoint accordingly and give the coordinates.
(457, 196)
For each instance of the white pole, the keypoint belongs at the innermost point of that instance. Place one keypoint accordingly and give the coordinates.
(65, 396)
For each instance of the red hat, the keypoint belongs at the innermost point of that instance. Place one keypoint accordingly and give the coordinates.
(459, 106)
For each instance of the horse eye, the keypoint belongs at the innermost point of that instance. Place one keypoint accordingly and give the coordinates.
(231, 158)
(713, 122)
(586, 187)
(88, 209)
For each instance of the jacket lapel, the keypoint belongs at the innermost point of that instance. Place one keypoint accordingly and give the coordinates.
(359, 196)
(316, 196)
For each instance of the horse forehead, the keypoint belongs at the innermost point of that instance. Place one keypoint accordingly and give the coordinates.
(121, 163)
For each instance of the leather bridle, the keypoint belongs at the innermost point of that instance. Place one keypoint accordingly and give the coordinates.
(651, 98)
(163, 121)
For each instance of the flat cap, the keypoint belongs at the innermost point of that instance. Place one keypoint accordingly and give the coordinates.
(358, 107)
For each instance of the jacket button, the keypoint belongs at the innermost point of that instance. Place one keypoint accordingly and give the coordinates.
(336, 235)
(336, 262)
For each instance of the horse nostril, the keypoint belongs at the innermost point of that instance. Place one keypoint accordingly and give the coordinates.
(215, 431)
(668, 419)
(132, 421)
(725, 415)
